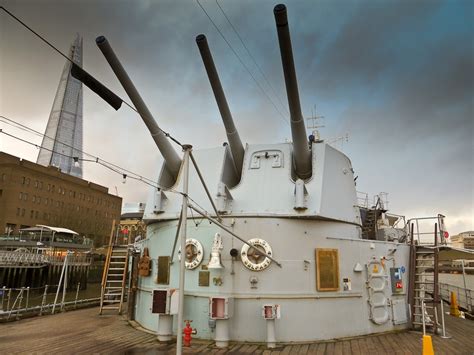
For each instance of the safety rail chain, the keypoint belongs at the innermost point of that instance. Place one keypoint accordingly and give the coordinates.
(14, 258)
(25, 300)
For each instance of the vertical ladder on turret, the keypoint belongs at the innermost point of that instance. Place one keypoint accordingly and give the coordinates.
(114, 277)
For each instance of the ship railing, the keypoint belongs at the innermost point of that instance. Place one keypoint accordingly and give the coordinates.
(421, 230)
(377, 201)
(363, 199)
(464, 295)
(25, 301)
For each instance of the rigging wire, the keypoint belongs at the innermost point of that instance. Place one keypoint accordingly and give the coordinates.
(253, 58)
(243, 64)
(136, 177)
(120, 170)
(72, 62)
(96, 159)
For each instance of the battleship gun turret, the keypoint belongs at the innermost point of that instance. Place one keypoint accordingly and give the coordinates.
(301, 151)
(170, 170)
(236, 148)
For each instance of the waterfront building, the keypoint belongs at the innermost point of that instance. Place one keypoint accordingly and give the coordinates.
(31, 194)
(132, 226)
(63, 136)
(463, 240)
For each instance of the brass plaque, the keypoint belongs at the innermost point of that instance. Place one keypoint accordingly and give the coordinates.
(327, 269)
(204, 278)
(163, 277)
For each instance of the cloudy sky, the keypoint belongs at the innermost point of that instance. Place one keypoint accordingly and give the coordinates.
(396, 76)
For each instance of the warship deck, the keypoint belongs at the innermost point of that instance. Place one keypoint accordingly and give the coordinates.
(84, 331)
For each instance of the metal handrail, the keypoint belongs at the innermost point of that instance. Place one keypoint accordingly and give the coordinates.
(464, 295)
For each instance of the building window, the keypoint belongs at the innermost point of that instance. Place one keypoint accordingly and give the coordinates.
(49, 187)
(27, 181)
(4, 177)
(25, 196)
(36, 183)
(23, 180)
(34, 198)
(23, 212)
(41, 185)
(38, 199)
(18, 210)
(20, 197)
(32, 213)
(327, 269)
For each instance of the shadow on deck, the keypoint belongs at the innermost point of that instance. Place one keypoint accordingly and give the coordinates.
(84, 331)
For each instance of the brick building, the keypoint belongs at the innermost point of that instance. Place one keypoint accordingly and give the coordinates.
(32, 194)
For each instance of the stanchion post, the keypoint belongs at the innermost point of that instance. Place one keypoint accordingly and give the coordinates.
(179, 334)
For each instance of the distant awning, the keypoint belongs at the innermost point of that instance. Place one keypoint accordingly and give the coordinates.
(450, 253)
(40, 227)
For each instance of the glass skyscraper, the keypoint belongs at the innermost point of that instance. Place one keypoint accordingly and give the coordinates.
(63, 137)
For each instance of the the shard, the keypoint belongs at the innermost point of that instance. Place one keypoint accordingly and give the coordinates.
(62, 142)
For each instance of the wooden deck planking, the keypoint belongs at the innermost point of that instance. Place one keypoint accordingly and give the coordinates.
(84, 331)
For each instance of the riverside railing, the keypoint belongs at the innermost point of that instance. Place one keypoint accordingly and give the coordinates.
(13, 258)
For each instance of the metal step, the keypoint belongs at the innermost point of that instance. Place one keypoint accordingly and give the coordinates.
(117, 268)
(428, 324)
(419, 306)
(424, 298)
(424, 282)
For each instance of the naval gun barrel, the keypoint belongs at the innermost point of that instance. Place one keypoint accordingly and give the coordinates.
(172, 159)
(236, 147)
(301, 152)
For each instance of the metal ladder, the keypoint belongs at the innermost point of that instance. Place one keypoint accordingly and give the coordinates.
(424, 290)
(424, 311)
(114, 277)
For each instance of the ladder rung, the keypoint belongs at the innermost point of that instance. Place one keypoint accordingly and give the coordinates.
(424, 298)
(117, 268)
(424, 282)
(110, 307)
(430, 324)
(113, 288)
(114, 281)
